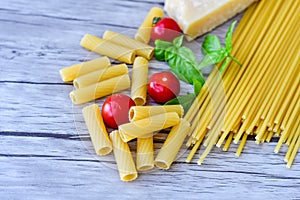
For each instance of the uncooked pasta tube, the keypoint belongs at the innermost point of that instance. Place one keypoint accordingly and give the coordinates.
(100, 89)
(145, 127)
(97, 130)
(144, 154)
(70, 73)
(140, 48)
(141, 112)
(123, 157)
(143, 34)
(107, 48)
(100, 75)
(171, 146)
(139, 81)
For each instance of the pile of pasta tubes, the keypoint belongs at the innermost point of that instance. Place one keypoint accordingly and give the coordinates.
(144, 121)
(97, 78)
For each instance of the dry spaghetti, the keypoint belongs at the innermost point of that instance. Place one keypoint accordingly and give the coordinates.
(262, 97)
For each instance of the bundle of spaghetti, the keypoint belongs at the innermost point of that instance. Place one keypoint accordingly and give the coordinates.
(262, 97)
(213, 82)
(203, 99)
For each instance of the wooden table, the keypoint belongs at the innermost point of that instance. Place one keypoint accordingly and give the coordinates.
(43, 156)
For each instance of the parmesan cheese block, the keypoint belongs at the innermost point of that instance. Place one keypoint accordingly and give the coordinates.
(196, 17)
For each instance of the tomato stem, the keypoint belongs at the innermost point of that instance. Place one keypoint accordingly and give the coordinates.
(155, 20)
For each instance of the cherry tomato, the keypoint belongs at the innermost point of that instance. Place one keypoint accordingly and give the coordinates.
(163, 86)
(166, 29)
(115, 110)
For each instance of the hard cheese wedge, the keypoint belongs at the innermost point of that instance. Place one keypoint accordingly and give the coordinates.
(196, 17)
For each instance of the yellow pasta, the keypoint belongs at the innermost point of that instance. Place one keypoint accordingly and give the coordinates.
(145, 127)
(144, 154)
(141, 112)
(143, 33)
(107, 48)
(97, 130)
(100, 75)
(241, 146)
(100, 89)
(140, 48)
(139, 81)
(171, 146)
(70, 73)
(260, 98)
(123, 157)
(294, 153)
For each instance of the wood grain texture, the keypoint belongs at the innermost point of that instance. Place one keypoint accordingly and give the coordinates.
(45, 155)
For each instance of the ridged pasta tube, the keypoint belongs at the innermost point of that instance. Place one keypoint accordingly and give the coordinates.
(97, 130)
(143, 33)
(123, 157)
(171, 146)
(100, 75)
(70, 73)
(145, 127)
(139, 81)
(141, 112)
(140, 48)
(144, 154)
(107, 48)
(100, 89)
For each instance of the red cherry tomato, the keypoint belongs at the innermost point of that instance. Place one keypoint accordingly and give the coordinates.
(115, 110)
(163, 86)
(166, 29)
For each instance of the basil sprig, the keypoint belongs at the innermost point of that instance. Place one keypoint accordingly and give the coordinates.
(184, 64)
(181, 59)
(214, 52)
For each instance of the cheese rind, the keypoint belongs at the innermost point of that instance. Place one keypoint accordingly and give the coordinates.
(196, 17)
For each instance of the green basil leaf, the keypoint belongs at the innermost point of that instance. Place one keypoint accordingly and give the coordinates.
(197, 86)
(170, 53)
(206, 61)
(228, 37)
(179, 75)
(159, 54)
(160, 48)
(185, 100)
(177, 42)
(212, 58)
(184, 70)
(211, 44)
(188, 55)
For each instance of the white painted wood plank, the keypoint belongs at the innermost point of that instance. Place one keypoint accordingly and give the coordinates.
(39, 37)
(63, 168)
(33, 34)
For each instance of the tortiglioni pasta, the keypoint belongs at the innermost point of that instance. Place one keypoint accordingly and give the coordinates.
(107, 48)
(140, 48)
(70, 73)
(141, 112)
(139, 81)
(144, 154)
(143, 34)
(171, 146)
(97, 130)
(100, 75)
(100, 89)
(145, 127)
(123, 158)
